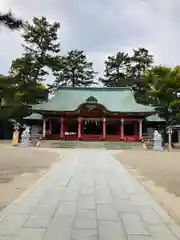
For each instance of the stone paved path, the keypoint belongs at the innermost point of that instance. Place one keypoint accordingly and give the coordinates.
(87, 196)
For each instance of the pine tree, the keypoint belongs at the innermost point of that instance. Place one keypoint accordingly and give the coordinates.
(117, 71)
(41, 38)
(28, 78)
(8, 20)
(40, 50)
(74, 70)
(141, 62)
(27, 69)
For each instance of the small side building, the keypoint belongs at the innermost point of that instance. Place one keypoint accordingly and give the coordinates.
(153, 122)
(96, 114)
(35, 120)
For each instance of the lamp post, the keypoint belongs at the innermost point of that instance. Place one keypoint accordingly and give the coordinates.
(169, 130)
(61, 77)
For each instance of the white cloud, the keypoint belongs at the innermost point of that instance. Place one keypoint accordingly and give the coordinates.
(102, 27)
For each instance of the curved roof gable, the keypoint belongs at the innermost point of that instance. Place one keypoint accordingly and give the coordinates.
(34, 116)
(154, 118)
(113, 99)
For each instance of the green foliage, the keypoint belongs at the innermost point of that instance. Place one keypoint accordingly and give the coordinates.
(155, 85)
(16, 95)
(41, 47)
(152, 85)
(8, 20)
(7, 97)
(29, 71)
(117, 71)
(41, 38)
(161, 86)
(32, 93)
(74, 70)
(141, 61)
(7, 90)
(122, 70)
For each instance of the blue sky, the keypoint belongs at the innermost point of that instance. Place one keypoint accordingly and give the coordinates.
(101, 27)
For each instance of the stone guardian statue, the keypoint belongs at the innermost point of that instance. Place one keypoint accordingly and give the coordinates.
(157, 141)
(25, 137)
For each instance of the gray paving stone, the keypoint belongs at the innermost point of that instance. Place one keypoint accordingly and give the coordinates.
(30, 234)
(130, 189)
(140, 200)
(64, 179)
(2, 237)
(119, 193)
(66, 209)
(162, 213)
(84, 235)
(117, 189)
(51, 198)
(85, 219)
(139, 237)
(111, 231)
(2, 218)
(126, 206)
(87, 190)
(12, 224)
(89, 196)
(103, 194)
(161, 232)
(43, 209)
(149, 216)
(133, 224)
(70, 195)
(17, 208)
(60, 228)
(107, 212)
(38, 221)
(86, 203)
(88, 180)
(100, 181)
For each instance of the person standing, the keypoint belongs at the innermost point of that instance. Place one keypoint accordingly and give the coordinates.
(15, 138)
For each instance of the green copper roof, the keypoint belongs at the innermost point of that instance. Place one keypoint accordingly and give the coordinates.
(34, 116)
(154, 118)
(113, 99)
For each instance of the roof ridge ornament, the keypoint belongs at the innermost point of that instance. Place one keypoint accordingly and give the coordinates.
(91, 99)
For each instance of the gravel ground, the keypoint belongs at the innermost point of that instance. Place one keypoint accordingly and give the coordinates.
(159, 172)
(19, 168)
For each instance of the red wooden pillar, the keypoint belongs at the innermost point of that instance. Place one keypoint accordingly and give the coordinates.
(122, 128)
(140, 129)
(104, 128)
(44, 128)
(62, 128)
(79, 128)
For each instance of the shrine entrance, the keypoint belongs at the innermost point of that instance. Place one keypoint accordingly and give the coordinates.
(94, 123)
(92, 129)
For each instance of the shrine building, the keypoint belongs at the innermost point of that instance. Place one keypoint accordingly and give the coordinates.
(92, 114)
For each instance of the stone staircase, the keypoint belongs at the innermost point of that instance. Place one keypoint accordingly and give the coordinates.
(86, 144)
